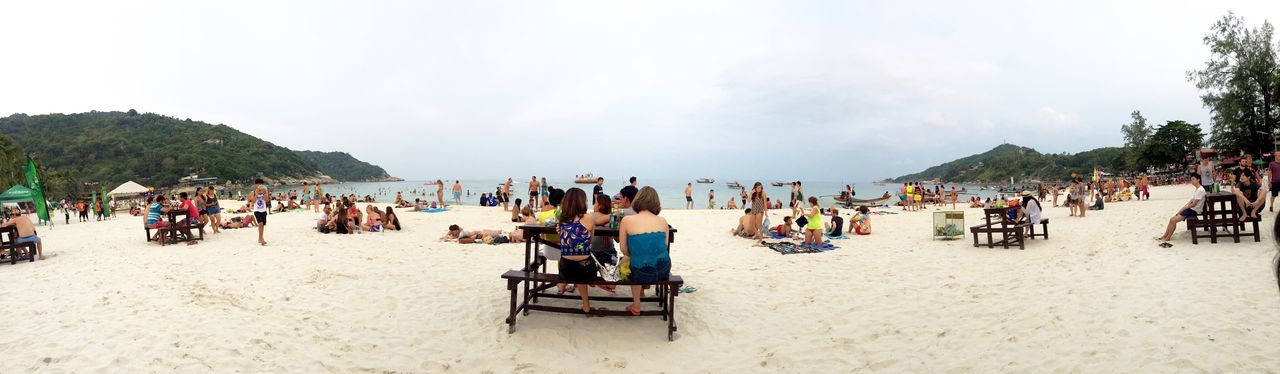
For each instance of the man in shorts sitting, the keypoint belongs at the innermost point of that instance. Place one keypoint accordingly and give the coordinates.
(26, 231)
(1192, 209)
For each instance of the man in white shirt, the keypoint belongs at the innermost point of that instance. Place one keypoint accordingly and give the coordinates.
(1192, 209)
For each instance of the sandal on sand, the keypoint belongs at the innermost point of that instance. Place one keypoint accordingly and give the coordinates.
(634, 312)
(1166, 245)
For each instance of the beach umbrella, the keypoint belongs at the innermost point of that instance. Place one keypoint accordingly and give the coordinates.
(129, 188)
(18, 193)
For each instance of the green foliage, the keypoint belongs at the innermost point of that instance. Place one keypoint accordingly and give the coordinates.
(1021, 163)
(1240, 84)
(1172, 143)
(1136, 132)
(151, 149)
(11, 162)
(341, 166)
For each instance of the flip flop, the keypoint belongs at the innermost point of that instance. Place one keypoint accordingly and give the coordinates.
(634, 312)
(1166, 245)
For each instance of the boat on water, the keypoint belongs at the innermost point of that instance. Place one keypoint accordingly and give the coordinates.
(585, 179)
(706, 180)
(778, 184)
(865, 202)
(733, 184)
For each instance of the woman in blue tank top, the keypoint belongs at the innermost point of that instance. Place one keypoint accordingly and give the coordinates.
(644, 238)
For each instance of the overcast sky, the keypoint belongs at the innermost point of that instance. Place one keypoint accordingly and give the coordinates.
(840, 90)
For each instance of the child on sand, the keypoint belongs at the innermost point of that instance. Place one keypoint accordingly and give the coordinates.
(785, 229)
(711, 199)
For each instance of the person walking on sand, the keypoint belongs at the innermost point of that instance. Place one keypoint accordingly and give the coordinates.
(1191, 209)
(457, 192)
(711, 199)
(506, 195)
(258, 197)
(688, 196)
(440, 193)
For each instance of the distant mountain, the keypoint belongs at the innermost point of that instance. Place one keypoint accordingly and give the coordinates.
(1021, 163)
(152, 149)
(341, 166)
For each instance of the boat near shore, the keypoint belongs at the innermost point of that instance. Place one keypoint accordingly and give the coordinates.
(706, 180)
(867, 203)
(585, 179)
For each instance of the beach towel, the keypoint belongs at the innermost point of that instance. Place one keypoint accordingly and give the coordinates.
(774, 235)
(437, 210)
(788, 248)
(837, 237)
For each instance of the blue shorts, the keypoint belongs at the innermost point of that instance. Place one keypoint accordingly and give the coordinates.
(659, 271)
(1188, 213)
(212, 210)
(457, 195)
(28, 239)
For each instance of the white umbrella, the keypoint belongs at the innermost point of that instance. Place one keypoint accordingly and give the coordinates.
(128, 188)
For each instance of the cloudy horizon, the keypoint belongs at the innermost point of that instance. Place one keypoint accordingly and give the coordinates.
(766, 90)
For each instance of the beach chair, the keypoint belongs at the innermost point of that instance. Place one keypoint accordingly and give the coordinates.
(1221, 220)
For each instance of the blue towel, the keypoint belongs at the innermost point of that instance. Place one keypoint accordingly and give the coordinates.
(774, 235)
(837, 237)
(437, 210)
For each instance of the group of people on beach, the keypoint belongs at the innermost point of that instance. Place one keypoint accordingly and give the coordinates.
(639, 250)
(1249, 188)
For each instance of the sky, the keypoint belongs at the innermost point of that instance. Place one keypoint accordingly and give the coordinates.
(815, 90)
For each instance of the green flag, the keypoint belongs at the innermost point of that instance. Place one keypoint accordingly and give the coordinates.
(33, 181)
(106, 202)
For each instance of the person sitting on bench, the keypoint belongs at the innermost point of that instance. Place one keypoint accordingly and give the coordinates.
(576, 265)
(26, 231)
(1030, 209)
(1192, 209)
(1251, 195)
(644, 243)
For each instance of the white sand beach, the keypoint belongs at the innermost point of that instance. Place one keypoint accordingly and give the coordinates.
(1097, 296)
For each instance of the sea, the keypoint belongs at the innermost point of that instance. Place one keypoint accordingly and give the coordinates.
(671, 191)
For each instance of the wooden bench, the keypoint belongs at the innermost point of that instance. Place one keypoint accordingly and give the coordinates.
(535, 281)
(8, 243)
(177, 230)
(1044, 223)
(1221, 220)
(996, 221)
(664, 295)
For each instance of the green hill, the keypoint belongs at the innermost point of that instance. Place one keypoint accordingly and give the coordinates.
(341, 166)
(1021, 163)
(152, 149)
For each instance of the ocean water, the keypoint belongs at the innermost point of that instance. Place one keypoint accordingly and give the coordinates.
(671, 191)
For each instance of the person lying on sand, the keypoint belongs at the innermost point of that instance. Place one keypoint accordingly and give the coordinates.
(484, 236)
(239, 222)
(785, 228)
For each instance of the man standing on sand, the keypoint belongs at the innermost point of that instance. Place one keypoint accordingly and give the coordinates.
(597, 190)
(258, 197)
(26, 231)
(440, 193)
(1192, 209)
(688, 196)
(633, 182)
(457, 192)
(533, 192)
(506, 195)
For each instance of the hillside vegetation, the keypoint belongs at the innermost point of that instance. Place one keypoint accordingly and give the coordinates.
(1021, 163)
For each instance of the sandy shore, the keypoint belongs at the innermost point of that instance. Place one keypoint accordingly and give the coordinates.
(1098, 296)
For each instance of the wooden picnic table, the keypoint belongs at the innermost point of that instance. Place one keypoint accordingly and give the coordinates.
(536, 282)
